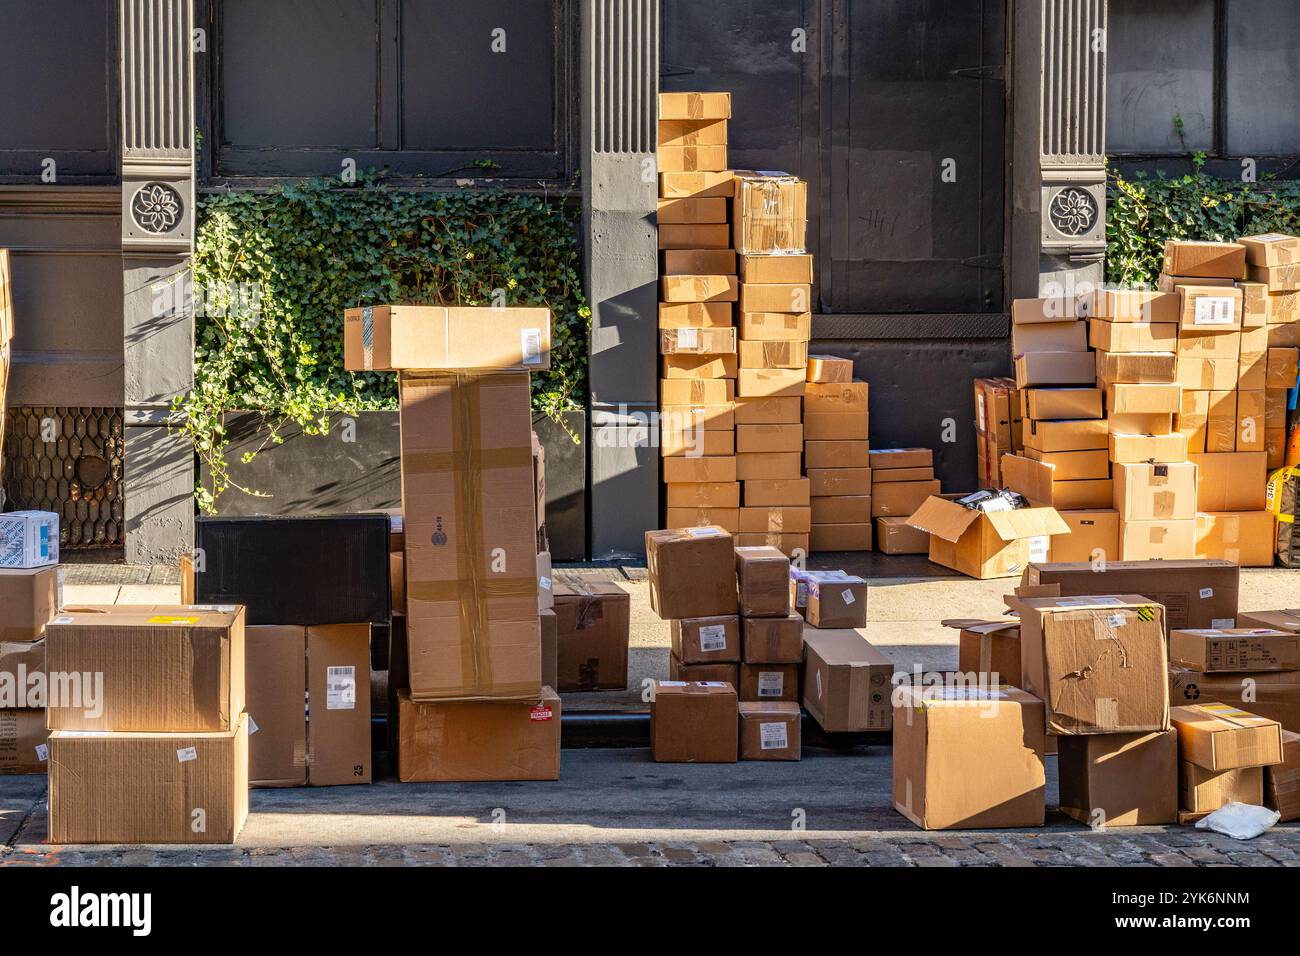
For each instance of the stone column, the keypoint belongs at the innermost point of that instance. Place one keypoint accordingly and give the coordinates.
(620, 82)
(157, 101)
(1073, 145)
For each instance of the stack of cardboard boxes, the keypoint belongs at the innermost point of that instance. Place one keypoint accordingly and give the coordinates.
(836, 425)
(901, 480)
(999, 427)
(1273, 274)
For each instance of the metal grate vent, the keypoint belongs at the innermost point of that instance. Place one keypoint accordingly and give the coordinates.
(69, 461)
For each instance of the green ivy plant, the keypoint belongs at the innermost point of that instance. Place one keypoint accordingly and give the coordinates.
(1145, 211)
(277, 269)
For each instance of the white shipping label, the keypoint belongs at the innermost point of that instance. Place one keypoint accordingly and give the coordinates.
(186, 754)
(847, 594)
(341, 688)
(1223, 622)
(713, 637)
(688, 338)
(1215, 310)
(42, 752)
(771, 683)
(1207, 593)
(1115, 620)
(703, 532)
(63, 619)
(544, 583)
(530, 345)
(1038, 548)
(773, 736)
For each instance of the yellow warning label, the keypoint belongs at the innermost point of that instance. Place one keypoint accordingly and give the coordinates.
(169, 619)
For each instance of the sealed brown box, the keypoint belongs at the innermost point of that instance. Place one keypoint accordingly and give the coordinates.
(1136, 367)
(134, 787)
(699, 262)
(841, 536)
(177, 669)
(1162, 449)
(1118, 639)
(704, 494)
(1171, 284)
(789, 543)
(846, 684)
(828, 482)
(466, 740)
(705, 442)
(1132, 337)
(989, 648)
(1282, 781)
(836, 454)
(1254, 305)
(1283, 368)
(1147, 492)
(900, 498)
(692, 572)
(1271, 694)
(691, 315)
(771, 410)
(1129, 398)
(467, 496)
(693, 132)
(706, 640)
(794, 519)
(775, 326)
(1209, 345)
(1208, 374)
(1093, 533)
(1069, 336)
(1234, 650)
(827, 370)
(679, 418)
(1278, 278)
(1141, 424)
(763, 579)
(29, 598)
(680, 365)
(723, 673)
(698, 288)
(755, 382)
(767, 269)
(1243, 537)
(841, 510)
(768, 681)
(1209, 308)
(694, 106)
(1074, 465)
(1271, 249)
(277, 684)
(884, 458)
(772, 640)
(836, 412)
(969, 758)
(1035, 311)
(386, 338)
(710, 470)
(1203, 791)
(693, 722)
(700, 183)
(689, 159)
(1284, 620)
(775, 297)
(895, 536)
(773, 465)
(696, 341)
(692, 209)
(836, 601)
(694, 235)
(1220, 736)
(727, 518)
(1231, 482)
(777, 492)
(1214, 259)
(1162, 538)
(1119, 780)
(23, 737)
(593, 620)
(1055, 368)
(1129, 305)
(1066, 435)
(985, 545)
(550, 628)
(769, 213)
(769, 438)
(1037, 481)
(769, 730)
(779, 354)
(19, 661)
(1061, 403)
(338, 704)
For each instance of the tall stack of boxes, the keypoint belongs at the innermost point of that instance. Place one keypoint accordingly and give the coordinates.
(836, 428)
(771, 651)
(1273, 271)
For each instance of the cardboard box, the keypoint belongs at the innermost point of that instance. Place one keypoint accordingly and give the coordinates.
(1044, 404)
(1285, 336)
(1231, 482)
(769, 438)
(1161, 449)
(28, 539)
(1136, 367)
(698, 288)
(775, 520)
(701, 470)
(1069, 336)
(1145, 492)
(1275, 445)
(1219, 736)
(775, 326)
(468, 740)
(703, 235)
(157, 669)
(698, 366)
(990, 649)
(719, 673)
(693, 132)
(1284, 620)
(836, 454)
(1119, 780)
(1271, 249)
(276, 687)
(550, 628)
(773, 465)
(1081, 435)
(969, 759)
(1074, 465)
(692, 209)
(838, 482)
(780, 297)
(688, 159)
(1213, 374)
(1282, 781)
(690, 315)
(992, 545)
(338, 704)
(1138, 424)
(467, 496)
(846, 686)
(23, 747)
(698, 262)
(593, 619)
(752, 382)
(1254, 305)
(895, 536)
(769, 730)
(20, 661)
(1278, 278)
(693, 722)
(1129, 398)
(841, 536)
(1195, 594)
(768, 682)
(1055, 368)
(769, 213)
(762, 577)
(1165, 538)
(1283, 368)
(1129, 305)
(1038, 311)
(772, 640)
(772, 410)
(1132, 336)
(702, 341)
(700, 183)
(1195, 258)
(767, 269)
(1234, 650)
(790, 543)
(706, 640)
(1209, 345)
(781, 354)
(1037, 481)
(130, 787)
(1271, 694)
(900, 498)
(1221, 422)
(830, 370)
(707, 443)
(692, 572)
(841, 510)
(694, 106)
(1093, 533)
(1283, 308)
(1213, 308)
(1202, 791)
(386, 338)
(30, 597)
(777, 492)
(1120, 642)
(1243, 537)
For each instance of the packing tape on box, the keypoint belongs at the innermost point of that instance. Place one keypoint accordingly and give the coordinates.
(589, 609)
(368, 338)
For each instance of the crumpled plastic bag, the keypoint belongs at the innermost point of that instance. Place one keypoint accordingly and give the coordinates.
(1241, 821)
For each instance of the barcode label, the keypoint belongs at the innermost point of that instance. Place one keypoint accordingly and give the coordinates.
(713, 637)
(530, 344)
(773, 736)
(42, 752)
(771, 683)
(1214, 310)
(186, 754)
(1038, 546)
(340, 688)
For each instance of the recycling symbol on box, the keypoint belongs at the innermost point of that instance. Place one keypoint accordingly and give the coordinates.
(1191, 692)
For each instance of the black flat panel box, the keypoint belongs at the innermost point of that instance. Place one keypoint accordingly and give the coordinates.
(296, 570)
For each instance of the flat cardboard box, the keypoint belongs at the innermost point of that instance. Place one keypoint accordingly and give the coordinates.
(174, 669)
(1271, 249)
(1231, 482)
(693, 341)
(901, 498)
(1074, 465)
(1165, 539)
(1119, 780)
(691, 572)
(775, 326)
(701, 183)
(706, 470)
(706, 640)
(1282, 781)
(770, 213)
(550, 628)
(768, 682)
(386, 338)
(1068, 336)
(694, 106)
(30, 597)
(338, 704)
(986, 545)
(1094, 534)
(693, 722)
(767, 269)
(1132, 336)
(1146, 492)
(1055, 368)
(1243, 537)
(773, 410)
(720, 673)
(893, 535)
(23, 742)
(1211, 259)
(969, 759)
(769, 438)
(1161, 449)
(774, 465)
(1061, 403)
(698, 262)
(837, 482)
(1271, 694)
(841, 536)
(780, 297)
(1081, 435)
(1212, 374)
(703, 235)
(1194, 593)
(990, 649)
(769, 730)
(692, 209)
(714, 366)
(691, 315)
(1129, 305)
(829, 370)
(1203, 791)
(593, 620)
(762, 580)
(133, 787)
(772, 640)
(468, 498)
(689, 159)
(1119, 641)
(470, 740)
(836, 454)
(1136, 367)
(1219, 736)
(841, 509)
(1234, 650)
(1209, 308)
(789, 519)
(766, 382)
(768, 354)
(846, 686)
(276, 687)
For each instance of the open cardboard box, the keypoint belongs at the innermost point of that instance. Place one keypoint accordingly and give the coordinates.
(983, 545)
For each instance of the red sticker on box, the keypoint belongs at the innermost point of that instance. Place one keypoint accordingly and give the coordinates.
(541, 712)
